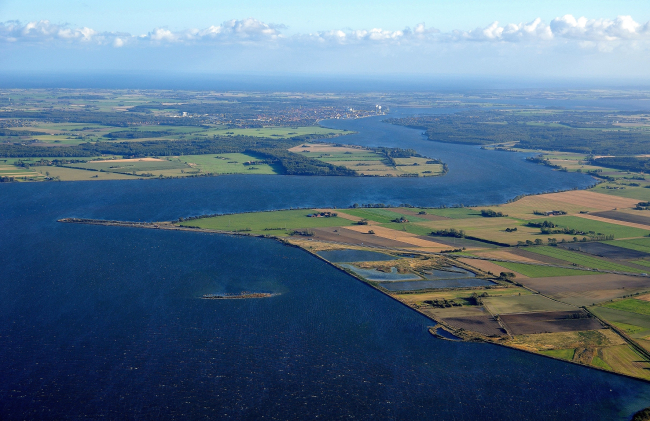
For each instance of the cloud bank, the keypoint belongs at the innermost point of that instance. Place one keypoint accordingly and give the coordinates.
(602, 33)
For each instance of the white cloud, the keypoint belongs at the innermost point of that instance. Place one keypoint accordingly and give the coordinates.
(44, 31)
(623, 27)
(233, 31)
(605, 34)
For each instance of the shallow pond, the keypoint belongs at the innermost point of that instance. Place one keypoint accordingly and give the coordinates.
(346, 256)
(375, 275)
(445, 283)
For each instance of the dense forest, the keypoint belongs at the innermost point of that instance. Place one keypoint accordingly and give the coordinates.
(629, 163)
(572, 131)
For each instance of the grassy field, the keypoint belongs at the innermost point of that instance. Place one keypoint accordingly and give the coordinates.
(71, 174)
(453, 213)
(604, 228)
(630, 192)
(624, 360)
(640, 244)
(637, 325)
(227, 163)
(582, 259)
(565, 354)
(598, 362)
(631, 329)
(631, 305)
(408, 227)
(279, 223)
(383, 216)
(19, 173)
(461, 294)
(534, 271)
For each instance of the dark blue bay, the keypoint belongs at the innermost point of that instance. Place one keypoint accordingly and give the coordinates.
(106, 322)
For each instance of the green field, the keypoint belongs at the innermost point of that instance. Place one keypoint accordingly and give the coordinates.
(534, 271)
(631, 329)
(564, 354)
(408, 227)
(598, 362)
(637, 325)
(279, 223)
(604, 228)
(632, 305)
(454, 213)
(581, 259)
(639, 244)
(630, 192)
(383, 216)
(228, 163)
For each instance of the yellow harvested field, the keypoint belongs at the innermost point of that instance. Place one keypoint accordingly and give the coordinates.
(130, 160)
(591, 199)
(613, 221)
(487, 266)
(643, 297)
(564, 340)
(504, 255)
(571, 202)
(402, 236)
(624, 360)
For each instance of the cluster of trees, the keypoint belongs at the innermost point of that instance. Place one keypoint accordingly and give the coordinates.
(47, 162)
(545, 224)
(548, 227)
(642, 206)
(553, 131)
(7, 132)
(489, 213)
(442, 303)
(136, 134)
(449, 232)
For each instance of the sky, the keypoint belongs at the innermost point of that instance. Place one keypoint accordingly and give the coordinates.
(571, 39)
